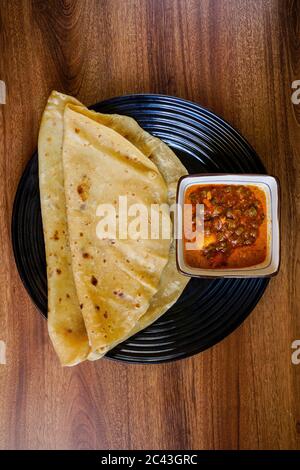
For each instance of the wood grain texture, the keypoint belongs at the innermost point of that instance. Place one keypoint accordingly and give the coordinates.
(239, 59)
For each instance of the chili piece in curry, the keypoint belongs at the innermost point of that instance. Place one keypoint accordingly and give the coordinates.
(235, 226)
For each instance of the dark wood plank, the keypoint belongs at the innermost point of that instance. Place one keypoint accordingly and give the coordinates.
(236, 57)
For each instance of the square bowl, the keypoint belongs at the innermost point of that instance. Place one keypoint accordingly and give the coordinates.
(270, 187)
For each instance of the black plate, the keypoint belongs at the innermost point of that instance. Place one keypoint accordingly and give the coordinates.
(208, 310)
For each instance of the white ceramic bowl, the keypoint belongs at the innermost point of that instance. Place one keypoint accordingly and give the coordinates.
(270, 186)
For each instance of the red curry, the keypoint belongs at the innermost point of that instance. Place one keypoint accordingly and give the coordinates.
(235, 226)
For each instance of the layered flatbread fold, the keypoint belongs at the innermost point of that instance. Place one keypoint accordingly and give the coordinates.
(65, 323)
(115, 277)
(101, 291)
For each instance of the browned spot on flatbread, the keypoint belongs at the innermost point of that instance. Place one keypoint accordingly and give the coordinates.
(83, 188)
(55, 235)
(118, 293)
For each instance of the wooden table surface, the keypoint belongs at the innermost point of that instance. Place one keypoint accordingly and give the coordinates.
(238, 58)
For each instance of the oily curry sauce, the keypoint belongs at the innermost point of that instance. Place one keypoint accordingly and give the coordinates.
(235, 226)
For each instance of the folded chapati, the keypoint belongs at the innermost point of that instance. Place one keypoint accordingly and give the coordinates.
(115, 278)
(65, 323)
(117, 287)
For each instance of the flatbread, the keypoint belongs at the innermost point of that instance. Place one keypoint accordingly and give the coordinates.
(172, 283)
(115, 278)
(65, 323)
